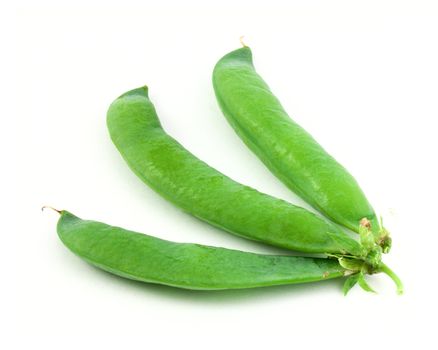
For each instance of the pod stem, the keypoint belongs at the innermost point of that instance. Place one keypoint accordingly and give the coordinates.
(387, 271)
(241, 41)
(49, 207)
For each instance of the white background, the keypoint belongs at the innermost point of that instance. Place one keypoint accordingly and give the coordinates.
(361, 76)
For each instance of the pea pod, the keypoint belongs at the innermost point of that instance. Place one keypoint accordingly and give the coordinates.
(172, 171)
(191, 266)
(290, 152)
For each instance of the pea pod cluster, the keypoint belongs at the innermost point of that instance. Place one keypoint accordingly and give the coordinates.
(190, 184)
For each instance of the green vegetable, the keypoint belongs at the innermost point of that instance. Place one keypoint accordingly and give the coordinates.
(176, 174)
(192, 266)
(287, 149)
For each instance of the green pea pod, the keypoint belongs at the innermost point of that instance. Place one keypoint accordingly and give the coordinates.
(191, 266)
(172, 171)
(290, 152)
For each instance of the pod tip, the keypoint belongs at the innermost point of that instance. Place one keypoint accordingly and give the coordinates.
(49, 207)
(242, 42)
(141, 91)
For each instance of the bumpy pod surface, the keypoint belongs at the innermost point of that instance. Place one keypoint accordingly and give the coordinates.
(290, 152)
(145, 258)
(179, 176)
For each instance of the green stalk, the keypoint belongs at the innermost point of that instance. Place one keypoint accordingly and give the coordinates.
(386, 270)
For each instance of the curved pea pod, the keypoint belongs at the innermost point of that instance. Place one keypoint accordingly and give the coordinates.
(290, 152)
(180, 177)
(149, 259)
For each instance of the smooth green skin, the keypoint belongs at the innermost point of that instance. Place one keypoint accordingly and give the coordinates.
(176, 174)
(192, 266)
(283, 146)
